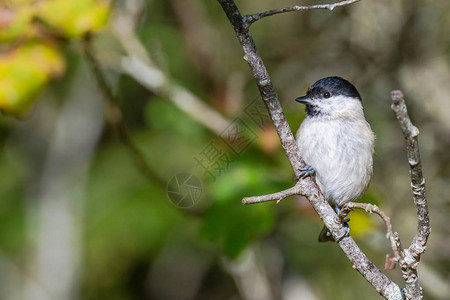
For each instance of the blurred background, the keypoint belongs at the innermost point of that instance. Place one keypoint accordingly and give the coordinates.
(131, 130)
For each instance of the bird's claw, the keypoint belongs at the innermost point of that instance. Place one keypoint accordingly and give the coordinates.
(346, 229)
(307, 171)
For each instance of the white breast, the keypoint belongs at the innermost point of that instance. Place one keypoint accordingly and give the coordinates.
(340, 151)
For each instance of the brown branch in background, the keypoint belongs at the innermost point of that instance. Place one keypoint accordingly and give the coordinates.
(371, 273)
(195, 28)
(114, 117)
(138, 64)
(418, 245)
(255, 17)
(152, 78)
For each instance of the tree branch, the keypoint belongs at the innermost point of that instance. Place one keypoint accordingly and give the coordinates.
(411, 257)
(295, 190)
(138, 64)
(309, 189)
(392, 236)
(250, 19)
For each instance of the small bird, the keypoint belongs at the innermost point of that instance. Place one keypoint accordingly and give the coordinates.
(336, 142)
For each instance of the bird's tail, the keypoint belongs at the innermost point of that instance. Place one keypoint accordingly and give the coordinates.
(325, 235)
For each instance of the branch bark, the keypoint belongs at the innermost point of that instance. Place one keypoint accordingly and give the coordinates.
(411, 256)
(309, 189)
(295, 190)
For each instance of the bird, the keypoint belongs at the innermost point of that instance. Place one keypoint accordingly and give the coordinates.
(336, 143)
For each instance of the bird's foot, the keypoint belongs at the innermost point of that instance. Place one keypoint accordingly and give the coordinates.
(344, 223)
(325, 234)
(305, 172)
(346, 228)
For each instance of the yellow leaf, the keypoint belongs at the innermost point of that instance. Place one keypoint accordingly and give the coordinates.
(74, 18)
(24, 72)
(13, 2)
(15, 22)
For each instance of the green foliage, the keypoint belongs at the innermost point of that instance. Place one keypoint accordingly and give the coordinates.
(128, 225)
(162, 116)
(182, 137)
(12, 206)
(229, 223)
(127, 220)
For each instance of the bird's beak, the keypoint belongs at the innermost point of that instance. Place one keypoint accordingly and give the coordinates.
(304, 99)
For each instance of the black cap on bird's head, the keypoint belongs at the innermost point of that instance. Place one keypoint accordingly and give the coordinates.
(326, 88)
(330, 87)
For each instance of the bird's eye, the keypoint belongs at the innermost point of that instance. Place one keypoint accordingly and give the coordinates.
(327, 95)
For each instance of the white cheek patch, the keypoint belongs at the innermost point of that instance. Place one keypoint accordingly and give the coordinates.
(340, 107)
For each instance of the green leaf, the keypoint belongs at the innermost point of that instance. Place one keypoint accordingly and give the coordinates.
(228, 222)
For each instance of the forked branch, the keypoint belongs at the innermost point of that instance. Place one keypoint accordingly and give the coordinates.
(255, 17)
(295, 190)
(411, 256)
(392, 236)
(309, 189)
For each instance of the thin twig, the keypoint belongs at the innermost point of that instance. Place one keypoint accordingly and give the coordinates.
(114, 117)
(255, 17)
(309, 189)
(418, 245)
(154, 79)
(392, 236)
(139, 65)
(295, 190)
